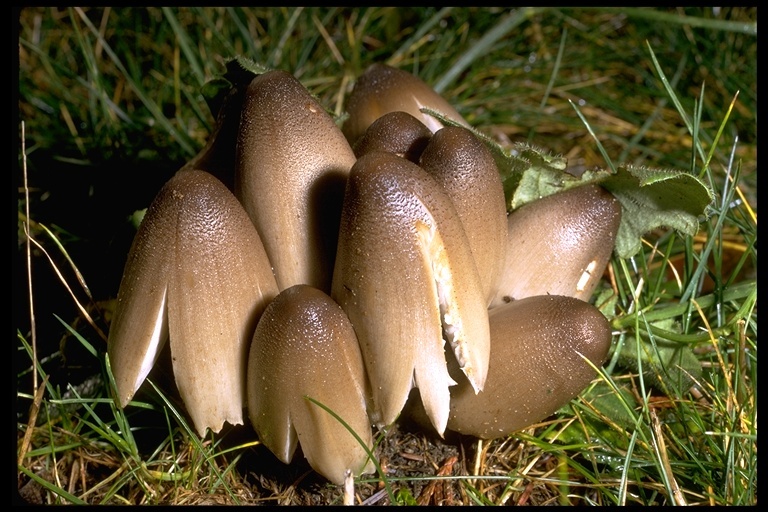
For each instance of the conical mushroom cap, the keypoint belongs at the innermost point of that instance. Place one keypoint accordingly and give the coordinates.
(559, 245)
(292, 162)
(304, 346)
(465, 168)
(536, 364)
(382, 89)
(198, 272)
(404, 275)
(396, 132)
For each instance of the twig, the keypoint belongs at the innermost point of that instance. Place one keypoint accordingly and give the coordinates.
(32, 421)
(33, 332)
(658, 437)
(66, 285)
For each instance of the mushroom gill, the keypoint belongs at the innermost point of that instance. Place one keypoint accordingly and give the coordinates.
(465, 168)
(559, 245)
(198, 274)
(538, 346)
(403, 270)
(292, 162)
(304, 346)
(382, 89)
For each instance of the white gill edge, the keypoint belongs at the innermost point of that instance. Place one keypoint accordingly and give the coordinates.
(453, 328)
(159, 335)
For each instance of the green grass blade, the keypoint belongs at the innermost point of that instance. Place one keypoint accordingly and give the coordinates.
(181, 138)
(509, 22)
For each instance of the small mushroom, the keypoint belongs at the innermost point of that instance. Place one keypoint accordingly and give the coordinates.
(198, 274)
(396, 132)
(559, 245)
(465, 168)
(382, 89)
(304, 346)
(537, 366)
(292, 162)
(403, 269)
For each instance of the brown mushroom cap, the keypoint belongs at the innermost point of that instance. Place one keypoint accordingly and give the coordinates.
(396, 132)
(292, 163)
(198, 272)
(560, 244)
(403, 268)
(382, 89)
(465, 168)
(304, 346)
(536, 365)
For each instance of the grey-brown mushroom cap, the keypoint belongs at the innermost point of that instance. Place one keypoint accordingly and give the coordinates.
(559, 245)
(404, 274)
(465, 168)
(538, 346)
(382, 89)
(304, 346)
(395, 132)
(198, 272)
(292, 162)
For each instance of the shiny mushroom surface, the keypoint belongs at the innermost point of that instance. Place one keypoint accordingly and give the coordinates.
(538, 346)
(409, 236)
(404, 274)
(198, 274)
(305, 346)
(559, 245)
(465, 168)
(382, 89)
(292, 162)
(396, 132)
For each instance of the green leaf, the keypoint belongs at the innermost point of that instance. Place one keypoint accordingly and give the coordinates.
(606, 302)
(605, 402)
(672, 367)
(543, 174)
(403, 496)
(528, 173)
(653, 198)
(239, 72)
(650, 198)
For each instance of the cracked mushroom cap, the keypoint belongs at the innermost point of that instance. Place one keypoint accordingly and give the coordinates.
(197, 274)
(304, 346)
(292, 163)
(405, 276)
(465, 168)
(559, 245)
(536, 366)
(382, 89)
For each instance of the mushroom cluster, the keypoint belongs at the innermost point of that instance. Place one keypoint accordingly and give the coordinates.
(294, 263)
